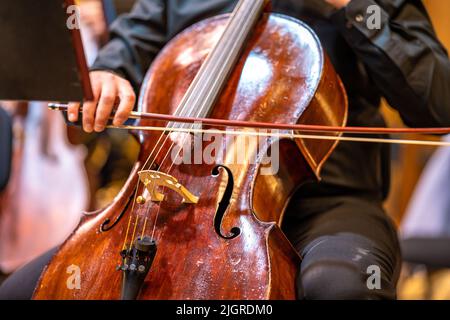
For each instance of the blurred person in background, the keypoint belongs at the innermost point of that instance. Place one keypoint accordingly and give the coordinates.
(26, 231)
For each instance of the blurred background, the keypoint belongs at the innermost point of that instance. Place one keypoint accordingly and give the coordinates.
(105, 160)
(418, 181)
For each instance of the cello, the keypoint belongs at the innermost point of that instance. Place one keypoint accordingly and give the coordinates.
(210, 230)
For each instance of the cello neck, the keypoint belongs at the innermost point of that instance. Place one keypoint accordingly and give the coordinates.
(213, 75)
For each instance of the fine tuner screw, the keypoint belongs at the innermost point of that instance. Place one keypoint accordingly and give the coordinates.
(132, 267)
(140, 200)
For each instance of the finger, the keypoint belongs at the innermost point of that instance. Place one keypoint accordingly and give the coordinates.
(127, 101)
(88, 115)
(89, 107)
(72, 111)
(105, 105)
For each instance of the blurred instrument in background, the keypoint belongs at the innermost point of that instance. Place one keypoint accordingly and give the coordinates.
(48, 187)
(36, 211)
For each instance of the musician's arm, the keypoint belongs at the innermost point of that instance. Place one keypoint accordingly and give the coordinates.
(136, 39)
(117, 73)
(403, 57)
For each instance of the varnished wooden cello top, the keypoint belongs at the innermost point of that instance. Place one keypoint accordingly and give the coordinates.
(228, 245)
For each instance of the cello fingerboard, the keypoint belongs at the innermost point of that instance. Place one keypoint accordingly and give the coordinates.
(212, 76)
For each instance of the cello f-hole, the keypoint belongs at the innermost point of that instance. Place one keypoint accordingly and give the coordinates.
(107, 225)
(224, 203)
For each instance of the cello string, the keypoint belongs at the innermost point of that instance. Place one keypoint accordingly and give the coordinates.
(226, 39)
(135, 197)
(180, 108)
(229, 46)
(210, 75)
(239, 29)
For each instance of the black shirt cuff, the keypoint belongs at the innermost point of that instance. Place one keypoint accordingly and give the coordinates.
(360, 17)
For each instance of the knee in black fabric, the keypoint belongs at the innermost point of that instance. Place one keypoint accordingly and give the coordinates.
(329, 280)
(346, 266)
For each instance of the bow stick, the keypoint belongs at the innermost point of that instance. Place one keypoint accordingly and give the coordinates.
(277, 126)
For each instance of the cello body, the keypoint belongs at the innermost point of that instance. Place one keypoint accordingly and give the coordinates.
(229, 245)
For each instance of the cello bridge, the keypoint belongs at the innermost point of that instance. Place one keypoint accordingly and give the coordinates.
(152, 180)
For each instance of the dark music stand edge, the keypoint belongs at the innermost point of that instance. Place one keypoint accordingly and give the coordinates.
(41, 59)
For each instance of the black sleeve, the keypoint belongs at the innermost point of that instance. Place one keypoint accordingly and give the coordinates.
(136, 39)
(403, 56)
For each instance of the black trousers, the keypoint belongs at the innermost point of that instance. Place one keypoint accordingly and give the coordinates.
(348, 245)
(345, 242)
